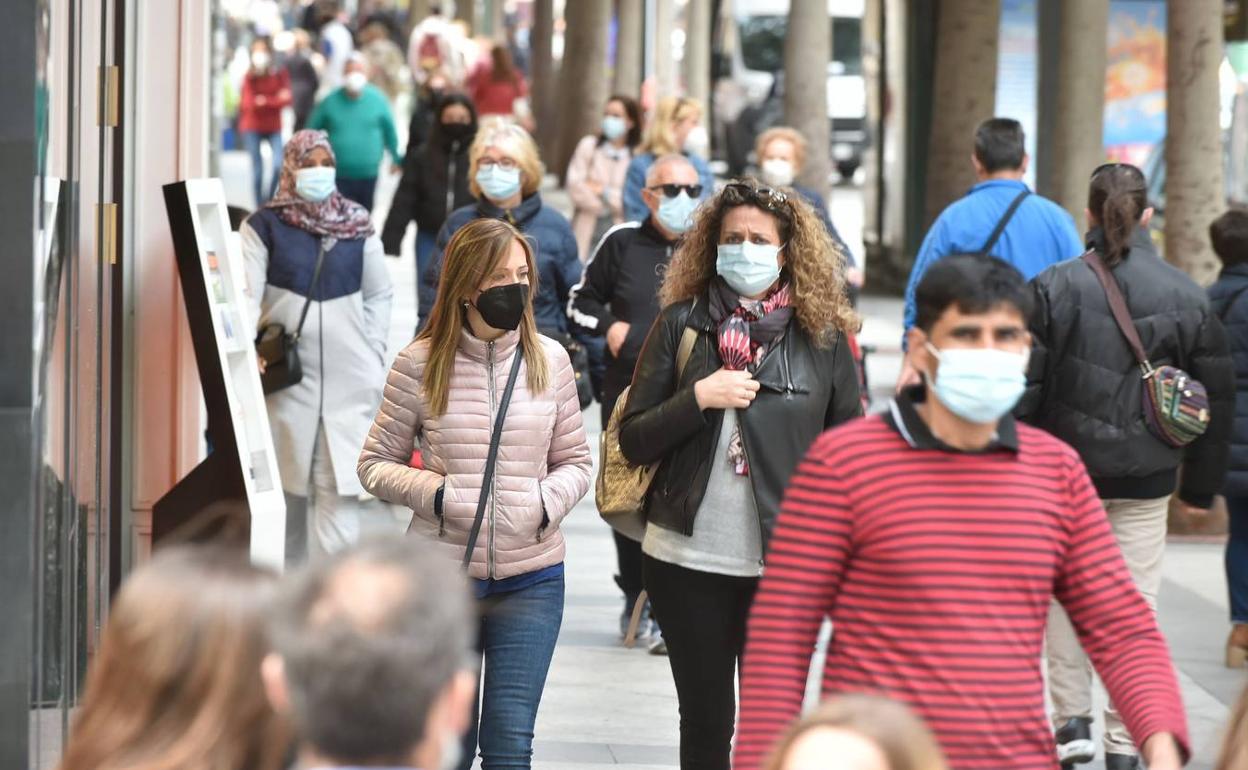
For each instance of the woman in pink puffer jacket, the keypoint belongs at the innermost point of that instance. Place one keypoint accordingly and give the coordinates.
(442, 395)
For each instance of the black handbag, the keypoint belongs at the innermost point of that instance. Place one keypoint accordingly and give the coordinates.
(280, 350)
(579, 356)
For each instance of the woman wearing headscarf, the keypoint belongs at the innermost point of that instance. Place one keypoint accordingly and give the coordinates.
(319, 423)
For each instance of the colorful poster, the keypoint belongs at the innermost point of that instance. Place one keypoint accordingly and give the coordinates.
(1135, 78)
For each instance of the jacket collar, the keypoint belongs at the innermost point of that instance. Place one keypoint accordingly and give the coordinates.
(903, 417)
(651, 231)
(479, 350)
(1140, 239)
(1239, 271)
(519, 216)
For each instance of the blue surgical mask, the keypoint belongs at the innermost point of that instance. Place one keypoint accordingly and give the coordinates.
(498, 183)
(676, 214)
(749, 268)
(315, 183)
(613, 127)
(980, 385)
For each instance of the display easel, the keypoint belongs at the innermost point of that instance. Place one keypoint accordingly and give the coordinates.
(235, 493)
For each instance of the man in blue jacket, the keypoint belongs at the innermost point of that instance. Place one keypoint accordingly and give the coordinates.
(1030, 232)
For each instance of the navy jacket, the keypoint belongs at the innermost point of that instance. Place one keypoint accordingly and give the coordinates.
(1229, 299)
(558, 265)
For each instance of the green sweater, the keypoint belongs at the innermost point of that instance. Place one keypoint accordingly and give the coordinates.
(360, 128)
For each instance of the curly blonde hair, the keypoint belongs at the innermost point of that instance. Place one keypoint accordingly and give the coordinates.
(814, 265)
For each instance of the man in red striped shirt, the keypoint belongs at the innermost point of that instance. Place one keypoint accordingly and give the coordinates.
(934, 537)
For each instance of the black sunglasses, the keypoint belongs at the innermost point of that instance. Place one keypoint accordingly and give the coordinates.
(737, 193)
(672, 190)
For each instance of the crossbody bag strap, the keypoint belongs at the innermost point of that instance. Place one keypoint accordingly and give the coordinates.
(491, 459)
(316, 276)
(1003, 221)
(1118, 307)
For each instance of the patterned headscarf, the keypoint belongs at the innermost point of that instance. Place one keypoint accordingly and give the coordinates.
(335, 216)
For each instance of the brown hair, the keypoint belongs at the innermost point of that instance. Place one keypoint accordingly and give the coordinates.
(660, 138)
(903, 738)
(473, 253)
(790, 135)
(1234, 755)
(498, 131)
(1117, 198)
(502, 69)
(814, 264)
(175, 684)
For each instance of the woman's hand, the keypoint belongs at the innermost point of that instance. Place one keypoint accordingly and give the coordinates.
(726, 389)
(616, 334)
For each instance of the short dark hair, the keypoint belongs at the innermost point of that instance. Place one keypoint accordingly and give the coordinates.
(1000, 144)
(1229, 234)
(973, 283)
(370, 637)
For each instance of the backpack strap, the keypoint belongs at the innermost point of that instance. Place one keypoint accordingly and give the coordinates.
(1002, 222)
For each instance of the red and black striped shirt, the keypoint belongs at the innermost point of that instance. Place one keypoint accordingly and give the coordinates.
(937, 568)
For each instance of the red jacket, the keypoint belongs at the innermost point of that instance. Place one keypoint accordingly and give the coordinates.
(272, 88)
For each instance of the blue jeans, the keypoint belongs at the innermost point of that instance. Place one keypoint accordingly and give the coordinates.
(426, 250)
(253, 139)
(359, 190)
(517, 641)
(1237, 558)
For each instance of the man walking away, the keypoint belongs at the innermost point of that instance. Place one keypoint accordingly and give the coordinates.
(934, 537)
(368, 661)
(1000, 216)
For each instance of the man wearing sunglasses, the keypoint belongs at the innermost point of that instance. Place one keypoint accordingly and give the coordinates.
(618, 298)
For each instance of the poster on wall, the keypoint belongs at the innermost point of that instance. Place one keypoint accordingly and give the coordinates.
(1135, 79)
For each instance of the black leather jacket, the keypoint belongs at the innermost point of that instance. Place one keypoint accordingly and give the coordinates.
(805, 389)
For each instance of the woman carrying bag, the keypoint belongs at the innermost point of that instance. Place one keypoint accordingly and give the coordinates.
(479, 384)
(761, 284)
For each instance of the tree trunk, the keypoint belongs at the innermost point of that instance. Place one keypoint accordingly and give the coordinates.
(584, 81)
(807, 50)
(698, 50)
(1077, 145)
(1194, 195)
(664, 62)
(542, 70)
(964, 93)
(417, 10)
(466, 11)
(628, 42)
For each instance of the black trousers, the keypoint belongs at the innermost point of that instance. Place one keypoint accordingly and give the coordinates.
(703, 619)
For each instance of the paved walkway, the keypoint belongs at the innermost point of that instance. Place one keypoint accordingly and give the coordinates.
(605, 705)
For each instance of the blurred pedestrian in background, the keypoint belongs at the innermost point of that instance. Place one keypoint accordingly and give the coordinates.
(1229, 234)
(425, 109)
(781, 155)
(432, 48)
(175, 680)
(386, 66)
(435, 182)
(863, 732)
(595, 180)
(481, 369)
(360, 126)
(618, 299)
(266, 92)
(371, 658)
(759, 282)
(304, 80)
(319, 423)
(671, 125)
(336, 44)
(499, 89)
(1079, 359)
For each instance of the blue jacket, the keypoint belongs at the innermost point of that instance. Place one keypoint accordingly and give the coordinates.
(820, 206)
(558, 265)
(1040, 234)
(1229, 300)
(635, 209)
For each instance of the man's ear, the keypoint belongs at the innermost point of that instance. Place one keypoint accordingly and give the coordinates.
(1026, 162)
(979, 167)
(452, 710)
(273, 675)
(1147, 216)
(916, 349)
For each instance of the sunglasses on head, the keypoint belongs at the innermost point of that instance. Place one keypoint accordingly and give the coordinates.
(672, 190)
(740, 192)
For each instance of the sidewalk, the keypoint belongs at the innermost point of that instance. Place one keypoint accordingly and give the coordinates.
(605, 705)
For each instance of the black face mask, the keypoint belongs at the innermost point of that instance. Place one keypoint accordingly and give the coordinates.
(502, 307)
(457, 132)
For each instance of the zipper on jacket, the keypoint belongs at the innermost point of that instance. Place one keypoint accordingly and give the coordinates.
(758, 512)
(489, 548)
(450, 175)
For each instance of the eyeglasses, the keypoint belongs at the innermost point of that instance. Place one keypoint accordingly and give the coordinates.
(506, 164)
(737, 193)
(672, 190)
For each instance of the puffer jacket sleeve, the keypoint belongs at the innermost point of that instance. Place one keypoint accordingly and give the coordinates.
(568, 460)
(384, 468)
(1038, 367)
(1206, 459)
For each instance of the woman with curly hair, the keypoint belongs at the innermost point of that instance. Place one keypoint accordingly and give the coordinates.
(747, 364)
